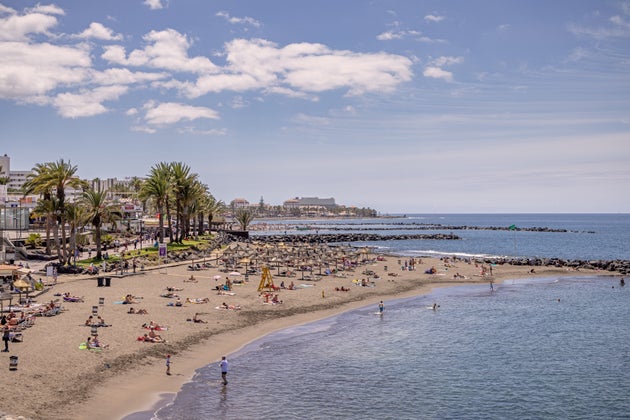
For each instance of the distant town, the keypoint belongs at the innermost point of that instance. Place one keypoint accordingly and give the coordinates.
(126, 193)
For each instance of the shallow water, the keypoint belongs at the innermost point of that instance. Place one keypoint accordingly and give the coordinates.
(516, 352)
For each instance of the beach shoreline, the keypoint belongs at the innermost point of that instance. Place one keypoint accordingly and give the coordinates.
(129, 377)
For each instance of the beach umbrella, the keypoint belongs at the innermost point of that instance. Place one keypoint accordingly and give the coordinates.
(235, 273)
(217, 277)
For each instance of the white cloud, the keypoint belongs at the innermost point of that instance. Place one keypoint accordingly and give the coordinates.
(87, 103)
(504, 27)
(433, 18)
(36, 69)
(438, 73)
(615, 27)
(621, 22)
(304, 67)
(143, 129)
(390, 35)
(167, 49)
(235, 20)
(215, 132)
(121, 76)
(18, 28)
(171, 113)
(154, 4)
(435, 71)
(446, 61)
(50, 9)
(99, 31)
(4, 9)
(131, 112)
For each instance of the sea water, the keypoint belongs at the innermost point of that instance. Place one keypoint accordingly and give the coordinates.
(532, 348)
(536, 348)
(587, 236)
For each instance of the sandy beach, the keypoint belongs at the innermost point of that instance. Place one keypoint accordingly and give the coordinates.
(57, 379)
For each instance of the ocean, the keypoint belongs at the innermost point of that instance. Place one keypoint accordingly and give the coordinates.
(542, 348)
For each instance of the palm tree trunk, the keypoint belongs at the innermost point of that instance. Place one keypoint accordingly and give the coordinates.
(56, 236)
(48, 229)
(168, 221)
(97, 239)
(161, 220)
(64, 243)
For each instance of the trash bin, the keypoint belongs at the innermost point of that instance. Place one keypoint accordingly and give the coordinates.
(108, 281)
(94, 310)
(13, 362)
(101, 301)
(99, 281)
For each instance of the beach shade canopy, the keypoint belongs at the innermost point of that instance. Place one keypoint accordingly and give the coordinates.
(7, 270)
(217, 277)
(235, 273)
(21, 285)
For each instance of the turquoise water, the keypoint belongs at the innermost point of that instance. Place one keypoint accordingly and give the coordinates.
(516, 352)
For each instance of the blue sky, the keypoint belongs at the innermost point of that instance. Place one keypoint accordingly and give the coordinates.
(402, 106)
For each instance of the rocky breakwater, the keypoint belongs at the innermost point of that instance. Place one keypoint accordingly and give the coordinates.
(347, 237)
(619, 266)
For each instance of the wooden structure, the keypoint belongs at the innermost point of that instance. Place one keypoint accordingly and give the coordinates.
(266, 281)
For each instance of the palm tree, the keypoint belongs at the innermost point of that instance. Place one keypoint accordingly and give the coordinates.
(244, 217)
(76, 215)
(48, 210)
(157, 187)
(62, 174)
(98, 211)
(38, 182)
(214, 208)
(186, 187)
(51, 178)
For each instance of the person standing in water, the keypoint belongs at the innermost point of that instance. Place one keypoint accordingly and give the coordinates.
(381, 308)
(224, 370)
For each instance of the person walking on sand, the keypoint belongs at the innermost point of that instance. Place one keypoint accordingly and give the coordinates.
(6, 336)
(224, 370)
(168, 364)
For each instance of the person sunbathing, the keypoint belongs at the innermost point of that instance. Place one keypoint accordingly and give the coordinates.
(95, 343)
(173, 289)
(89, 321)
(156, 338)
(153, 326)
(129, 299)
(197, 319)
(197, 300)
(69, 298)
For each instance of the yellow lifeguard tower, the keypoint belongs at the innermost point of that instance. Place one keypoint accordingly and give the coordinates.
(266, 281)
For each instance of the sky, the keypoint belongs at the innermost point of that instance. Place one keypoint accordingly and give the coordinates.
(404, 106)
